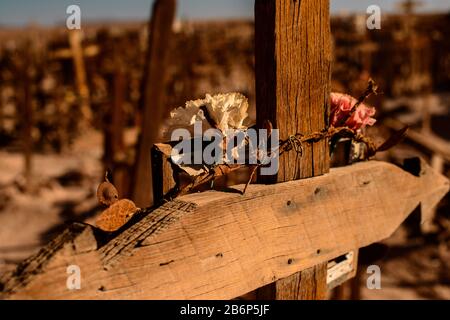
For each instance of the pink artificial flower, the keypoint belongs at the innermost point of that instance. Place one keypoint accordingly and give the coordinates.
(342, 104)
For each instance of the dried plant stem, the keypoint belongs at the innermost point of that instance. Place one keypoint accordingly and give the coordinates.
(252, 174)
(216, 172)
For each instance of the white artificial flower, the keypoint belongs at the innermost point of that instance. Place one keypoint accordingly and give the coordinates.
(228, 111)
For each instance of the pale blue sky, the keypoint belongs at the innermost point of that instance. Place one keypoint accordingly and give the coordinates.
(19, 12)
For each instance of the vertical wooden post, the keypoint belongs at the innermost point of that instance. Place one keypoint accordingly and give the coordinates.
(152, 95)
(80, 72)
(293, 64)
(1, 104)
(163, 174)
(26, 113)
(118, 122)
(114, 152)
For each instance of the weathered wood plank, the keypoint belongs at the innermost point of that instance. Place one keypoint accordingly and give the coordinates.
(293, 63)
(217, 245)
(26, 114)
(293, 59)
(163, 174)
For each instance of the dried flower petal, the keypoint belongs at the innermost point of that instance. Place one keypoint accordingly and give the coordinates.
(228, 111)
(118, 214)
(341, 107)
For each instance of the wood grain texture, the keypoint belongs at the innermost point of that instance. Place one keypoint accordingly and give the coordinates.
(293, 58)
(152, 97)
(162, 171)
(308, 284)
(216, 245)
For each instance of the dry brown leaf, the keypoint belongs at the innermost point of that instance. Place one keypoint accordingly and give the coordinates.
(116, 215)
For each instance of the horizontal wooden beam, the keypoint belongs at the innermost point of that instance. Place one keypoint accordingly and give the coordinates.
(67, 53)
(216, 245)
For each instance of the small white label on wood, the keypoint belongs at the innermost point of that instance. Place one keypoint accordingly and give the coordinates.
(337, 270)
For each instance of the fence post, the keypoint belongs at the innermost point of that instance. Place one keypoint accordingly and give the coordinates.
(26, 111)
(1, 104)
(152, 94)
(293, 63)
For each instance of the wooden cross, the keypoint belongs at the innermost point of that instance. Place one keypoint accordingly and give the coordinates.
(80, 72)
(222, 245)
(409, 6)
(293, 73)
(218, 245)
